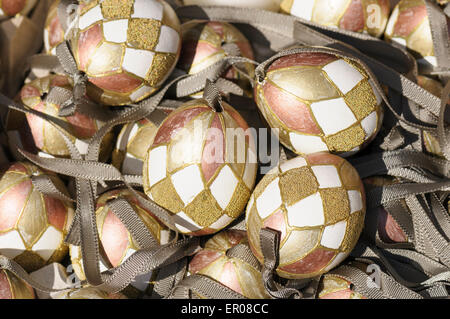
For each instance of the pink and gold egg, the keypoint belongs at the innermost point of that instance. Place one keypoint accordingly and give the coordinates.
(9, 8)
(203, 46)
(117, 241)
(368, 16)
(212, 261)
(319, 102)
(388, 229)
(126, 48)
(12, 287)
(317, 203)
(53, 31)
(133, 142)
(201, 167)
(409, 25)
(46, 137)
(32, 225)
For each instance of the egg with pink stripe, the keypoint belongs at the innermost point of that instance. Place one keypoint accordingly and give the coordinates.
(12, 287)
(317, 204)
(9, 8)
(409, 26)
(126, 48)
(46, 137)
(367, 16)
(203, 43)
(235, 273)
(201, 167)
(318, 101)
(117, 241)
(53, 30)
(33, 225)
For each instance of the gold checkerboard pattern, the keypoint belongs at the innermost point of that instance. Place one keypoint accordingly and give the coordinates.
(319, 102)
(127, 48)
(204, 195)
(317, 203)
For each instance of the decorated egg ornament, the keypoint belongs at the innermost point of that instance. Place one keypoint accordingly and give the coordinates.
(234, 273)
(317, 203)
(32, 225)
(196, 170)
(46, 137)
(116, 240)
(409, 26)
(126, 48)
(369, 16)
(320, 102)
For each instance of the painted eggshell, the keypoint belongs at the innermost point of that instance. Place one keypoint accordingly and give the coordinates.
(409, 26)
(133, 142)
(45, 136)
(202, 47)
(368, 16)
(12, 287)
(117, 241)
(9, 8)
(317, 203)
(319, 102)
(127, 48)
(234, 273)
(201, 167)
(53, 31)
(32, 225)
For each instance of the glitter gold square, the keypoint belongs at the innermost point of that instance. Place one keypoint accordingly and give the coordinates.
(355, 224)
(297, 184)
(346, 140)
(204, 209)
(361, 99)
(162, 62)
(117, 9)
(164, 194)
(335, 205)
(238, 201)
(143, 33)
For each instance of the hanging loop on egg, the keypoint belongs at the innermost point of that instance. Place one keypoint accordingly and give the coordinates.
(212, 96)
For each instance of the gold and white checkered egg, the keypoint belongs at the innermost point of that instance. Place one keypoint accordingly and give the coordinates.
(127, 48)
(32, 225)
(409, 26)
(317, 203)
(319, 102)
(133, 142)
(204, 194)
(367, 16)
(9, 8)
(116, 240)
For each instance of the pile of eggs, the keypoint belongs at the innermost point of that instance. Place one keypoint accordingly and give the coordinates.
(198, 161)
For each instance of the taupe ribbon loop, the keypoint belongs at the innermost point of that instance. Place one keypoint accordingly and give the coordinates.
(80, 79)
(46, 186)
(440, 36)
(270, 245)
(212, 95)
(204, 287)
